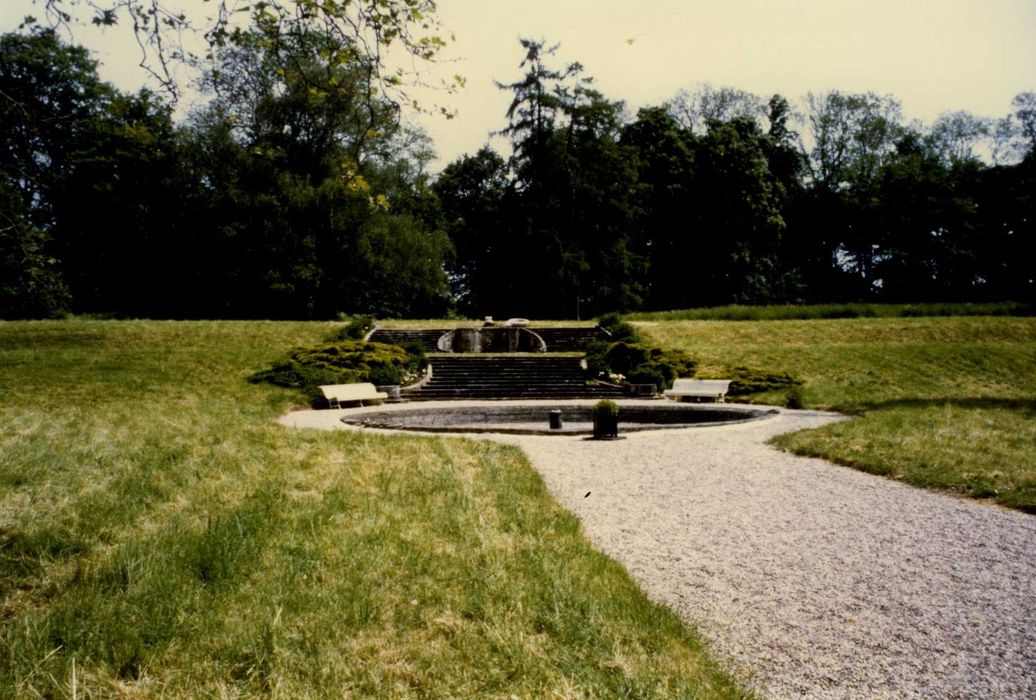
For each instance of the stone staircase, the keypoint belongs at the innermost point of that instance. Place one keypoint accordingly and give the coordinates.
(427, 338)
(571, 339)
(557, 339)
(508, 377)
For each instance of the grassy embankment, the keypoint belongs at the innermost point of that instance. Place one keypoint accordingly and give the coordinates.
(943, 403)
(736, 312)
(160, 535)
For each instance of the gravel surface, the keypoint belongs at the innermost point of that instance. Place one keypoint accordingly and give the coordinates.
(811, 580)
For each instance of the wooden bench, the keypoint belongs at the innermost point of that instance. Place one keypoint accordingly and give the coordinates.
(337, 394)
(698, 389)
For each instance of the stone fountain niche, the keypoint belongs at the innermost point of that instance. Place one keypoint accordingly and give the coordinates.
(491, 339)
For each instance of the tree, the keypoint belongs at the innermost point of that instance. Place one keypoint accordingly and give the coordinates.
(666, 202)
(851, 136)
(696, 109)
(50, 96)
(535, 108)
(571, 192)
(365, 31)
(954, 136)
(472, 192)
(117, 211)
(30, 283)
(926, 225)
(50, 100)
(325, 208)
(739, 216)
(604, 271)
(1024, 105)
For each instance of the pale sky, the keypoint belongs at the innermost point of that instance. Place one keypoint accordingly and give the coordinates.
(933, 55)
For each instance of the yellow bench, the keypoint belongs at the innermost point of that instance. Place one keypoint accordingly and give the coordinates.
(337, 394)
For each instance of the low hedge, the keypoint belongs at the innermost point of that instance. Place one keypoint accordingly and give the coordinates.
(345, 362)
(634, 363)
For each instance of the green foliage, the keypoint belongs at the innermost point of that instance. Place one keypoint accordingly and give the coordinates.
(343, 362)
(596, 364)
(31, 285)
(794, 398)
(606, 407)
(747, 380)
(353, 32)
(618, 330)
(637, 364)
(569, 208)
(652, 373)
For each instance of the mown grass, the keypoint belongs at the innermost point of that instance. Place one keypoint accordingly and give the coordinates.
(944, 403)
(160, 535)
(736, 312)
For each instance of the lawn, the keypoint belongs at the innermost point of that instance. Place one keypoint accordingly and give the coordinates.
(160, 535)
(943, 403)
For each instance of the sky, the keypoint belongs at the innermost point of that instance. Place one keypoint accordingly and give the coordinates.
(933, 55)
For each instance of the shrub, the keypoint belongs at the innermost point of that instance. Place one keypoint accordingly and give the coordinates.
(794, 398)
(596, 362)
(618, 330)
(606, 407)
(649, 374)
(415, 349)
(343, 362)
(681, 364)
(746, 380)
(622, 357)
(639, 364)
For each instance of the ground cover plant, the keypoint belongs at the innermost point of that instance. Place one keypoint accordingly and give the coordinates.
(944, 403)
(344, 362)
(624, 359)
(160, 535)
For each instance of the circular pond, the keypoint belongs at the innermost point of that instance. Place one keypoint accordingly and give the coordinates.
(526, 419)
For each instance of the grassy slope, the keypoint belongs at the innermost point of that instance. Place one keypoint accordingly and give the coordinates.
(160, 535)
(736, 312)
(946, 403)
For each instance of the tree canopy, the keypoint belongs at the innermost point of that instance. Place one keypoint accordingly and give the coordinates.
(296, 190)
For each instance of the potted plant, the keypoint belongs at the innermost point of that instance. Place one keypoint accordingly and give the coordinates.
(606, 419)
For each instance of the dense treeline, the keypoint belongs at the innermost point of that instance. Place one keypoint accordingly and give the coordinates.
(295, 191)
(715, 198)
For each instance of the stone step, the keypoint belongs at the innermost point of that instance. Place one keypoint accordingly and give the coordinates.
(428, 338)
(466, 394)
(506, 376)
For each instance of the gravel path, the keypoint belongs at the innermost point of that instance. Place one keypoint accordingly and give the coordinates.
(811, 580)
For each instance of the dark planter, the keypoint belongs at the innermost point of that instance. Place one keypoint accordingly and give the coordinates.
(606, 426)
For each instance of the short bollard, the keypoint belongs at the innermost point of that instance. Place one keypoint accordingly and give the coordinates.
(555, 420)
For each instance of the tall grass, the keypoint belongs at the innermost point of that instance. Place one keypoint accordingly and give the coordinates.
(160, 535)
(947, 403)
(737, 312)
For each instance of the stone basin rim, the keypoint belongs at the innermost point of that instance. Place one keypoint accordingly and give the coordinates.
(531, 418)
